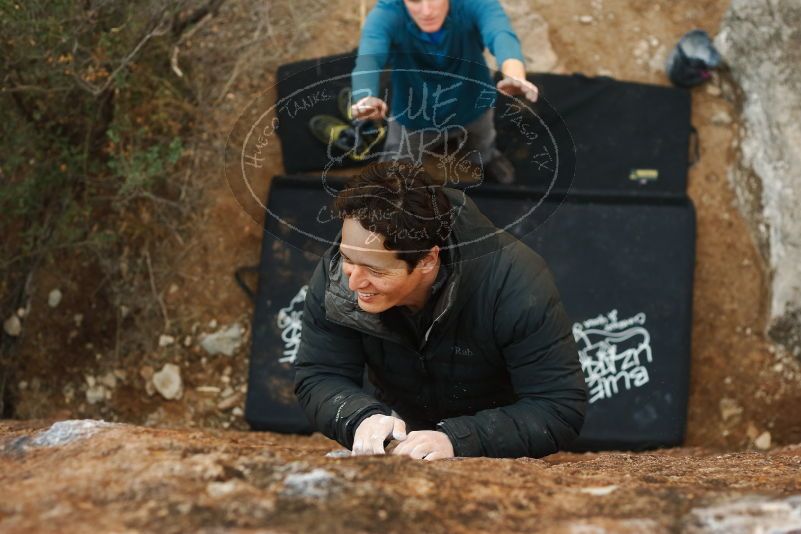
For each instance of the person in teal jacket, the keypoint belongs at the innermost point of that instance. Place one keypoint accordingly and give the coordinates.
(440, 80)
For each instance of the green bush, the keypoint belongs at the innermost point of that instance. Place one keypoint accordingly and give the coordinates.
(91, 116)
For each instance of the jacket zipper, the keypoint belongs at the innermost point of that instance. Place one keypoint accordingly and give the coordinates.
(437, 318)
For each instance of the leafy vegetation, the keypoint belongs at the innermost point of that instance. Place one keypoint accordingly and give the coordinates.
(94, 121)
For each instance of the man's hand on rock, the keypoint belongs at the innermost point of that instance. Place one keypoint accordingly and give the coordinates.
(426, 445)
(372, 432)
(369, 107)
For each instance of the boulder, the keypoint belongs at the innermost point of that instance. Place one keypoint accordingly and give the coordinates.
(761, 44)
(90, 476)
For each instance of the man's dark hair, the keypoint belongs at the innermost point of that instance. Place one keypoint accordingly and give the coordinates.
(402, 203)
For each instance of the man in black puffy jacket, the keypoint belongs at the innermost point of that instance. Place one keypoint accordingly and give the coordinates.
(459, 324)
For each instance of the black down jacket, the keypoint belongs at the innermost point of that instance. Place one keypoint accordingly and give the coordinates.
(498, 370)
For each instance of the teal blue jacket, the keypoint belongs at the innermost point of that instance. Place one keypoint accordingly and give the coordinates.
(434, 84)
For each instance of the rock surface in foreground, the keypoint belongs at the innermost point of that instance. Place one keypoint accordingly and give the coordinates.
(94, 476)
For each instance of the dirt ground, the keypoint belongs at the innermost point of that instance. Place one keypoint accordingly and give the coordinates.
(741, 384)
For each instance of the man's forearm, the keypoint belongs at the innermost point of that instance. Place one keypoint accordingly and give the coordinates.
(514, 68)
(529, 427)
(335, 405)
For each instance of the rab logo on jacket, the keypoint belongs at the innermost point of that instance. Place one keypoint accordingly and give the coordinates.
(613, 353)
(462, 351)
(290, 321)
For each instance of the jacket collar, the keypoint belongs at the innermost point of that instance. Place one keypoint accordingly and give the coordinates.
(341, 304)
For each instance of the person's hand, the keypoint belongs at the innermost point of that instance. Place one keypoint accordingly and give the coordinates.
(369, 107)
(426, 445)
(371, 433)
(515, 86)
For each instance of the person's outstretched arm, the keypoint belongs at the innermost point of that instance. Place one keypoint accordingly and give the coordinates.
(534, 336)
(374, 47)
(329, 370)
(502, 42)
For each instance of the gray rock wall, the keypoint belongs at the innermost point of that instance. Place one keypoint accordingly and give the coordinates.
(761, 43)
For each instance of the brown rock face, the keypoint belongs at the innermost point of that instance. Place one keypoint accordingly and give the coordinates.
(93, 476)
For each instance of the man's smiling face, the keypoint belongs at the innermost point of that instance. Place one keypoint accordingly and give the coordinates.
(379, 278)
